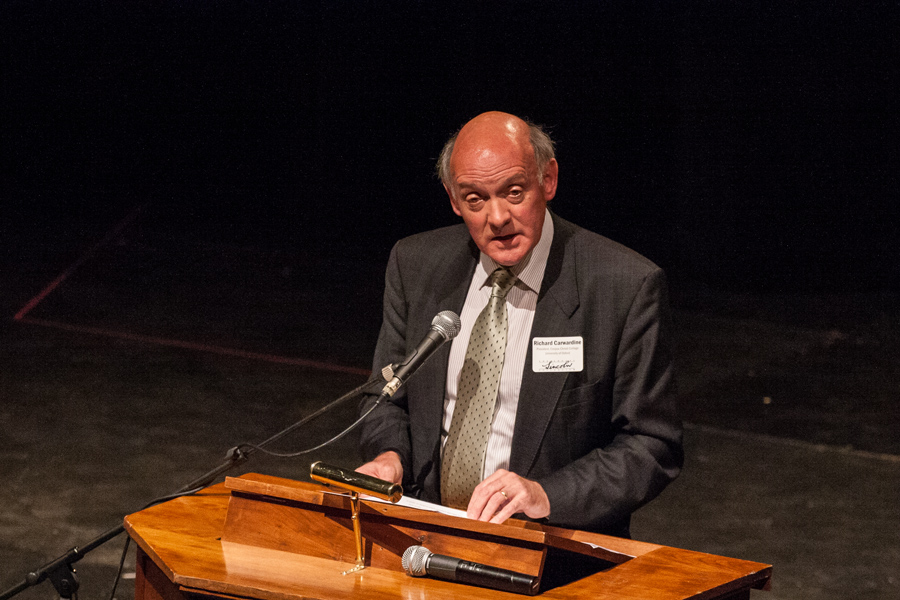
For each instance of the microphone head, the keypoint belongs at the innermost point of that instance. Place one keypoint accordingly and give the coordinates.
(414, 558)
(446, 323)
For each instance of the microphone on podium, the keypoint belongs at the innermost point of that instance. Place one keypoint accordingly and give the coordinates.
(418, 561)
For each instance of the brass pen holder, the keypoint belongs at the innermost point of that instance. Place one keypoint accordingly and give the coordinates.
(355, 483)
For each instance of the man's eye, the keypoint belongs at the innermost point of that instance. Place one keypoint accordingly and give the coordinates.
(473, 199)
(515, 194)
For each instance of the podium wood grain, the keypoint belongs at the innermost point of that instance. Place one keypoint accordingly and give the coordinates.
(198, 546)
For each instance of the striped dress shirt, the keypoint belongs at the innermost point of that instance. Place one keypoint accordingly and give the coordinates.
(520, 305)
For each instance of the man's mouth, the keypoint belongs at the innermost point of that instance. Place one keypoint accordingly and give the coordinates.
(504, 238)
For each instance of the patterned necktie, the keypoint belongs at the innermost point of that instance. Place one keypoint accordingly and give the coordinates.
(479, 381)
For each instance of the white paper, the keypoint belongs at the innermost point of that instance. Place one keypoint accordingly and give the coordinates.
(409, 502)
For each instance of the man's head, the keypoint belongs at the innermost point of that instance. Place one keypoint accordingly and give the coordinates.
(500, 172)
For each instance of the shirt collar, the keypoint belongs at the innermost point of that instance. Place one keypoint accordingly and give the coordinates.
(530, 271)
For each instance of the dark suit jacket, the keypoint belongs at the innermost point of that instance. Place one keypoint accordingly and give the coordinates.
(601, 442)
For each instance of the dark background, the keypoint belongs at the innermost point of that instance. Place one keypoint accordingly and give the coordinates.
(747, 145)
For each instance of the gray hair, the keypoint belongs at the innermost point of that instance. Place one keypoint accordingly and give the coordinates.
(541, 143)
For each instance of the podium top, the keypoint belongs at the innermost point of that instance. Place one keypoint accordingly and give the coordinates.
(185, 544)
(610, 549)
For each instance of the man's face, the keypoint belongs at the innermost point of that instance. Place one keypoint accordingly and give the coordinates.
(497, 192)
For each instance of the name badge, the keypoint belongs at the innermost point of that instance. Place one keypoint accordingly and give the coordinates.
(551, 354)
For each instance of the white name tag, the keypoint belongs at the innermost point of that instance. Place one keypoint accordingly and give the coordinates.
(551, 354)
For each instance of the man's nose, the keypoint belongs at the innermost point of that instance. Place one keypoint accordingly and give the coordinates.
(498, 213)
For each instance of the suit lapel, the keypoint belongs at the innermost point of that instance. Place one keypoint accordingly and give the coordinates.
(429, 384)
(539, 394)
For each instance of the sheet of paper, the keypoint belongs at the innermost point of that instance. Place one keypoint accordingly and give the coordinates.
(408, 502)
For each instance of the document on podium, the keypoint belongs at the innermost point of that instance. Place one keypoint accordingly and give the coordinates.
(409, 502)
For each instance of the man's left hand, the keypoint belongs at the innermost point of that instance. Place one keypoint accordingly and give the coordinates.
(504, 494)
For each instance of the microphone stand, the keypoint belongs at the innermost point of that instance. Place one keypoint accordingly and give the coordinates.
(60, 571)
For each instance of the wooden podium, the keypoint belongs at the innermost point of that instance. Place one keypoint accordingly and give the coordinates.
(261, 537)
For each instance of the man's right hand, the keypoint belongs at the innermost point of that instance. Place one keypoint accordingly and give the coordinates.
(386, 466)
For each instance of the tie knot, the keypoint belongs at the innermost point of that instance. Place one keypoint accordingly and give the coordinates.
(502, 280)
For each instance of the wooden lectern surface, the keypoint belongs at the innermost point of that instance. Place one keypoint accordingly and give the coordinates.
(182, 554)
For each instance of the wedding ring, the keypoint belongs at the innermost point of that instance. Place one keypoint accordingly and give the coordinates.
(504, 494)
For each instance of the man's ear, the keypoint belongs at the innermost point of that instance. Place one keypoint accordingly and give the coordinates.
(551, 177)
(453, 201)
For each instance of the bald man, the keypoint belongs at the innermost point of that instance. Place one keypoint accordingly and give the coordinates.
(584, 429)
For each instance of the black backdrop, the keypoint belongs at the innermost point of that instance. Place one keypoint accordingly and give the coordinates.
(749, 145)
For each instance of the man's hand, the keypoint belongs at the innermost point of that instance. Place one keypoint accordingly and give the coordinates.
(386, 466)
(504, 494)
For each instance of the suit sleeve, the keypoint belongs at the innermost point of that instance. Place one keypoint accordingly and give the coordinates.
(599, 490)
(387, 428)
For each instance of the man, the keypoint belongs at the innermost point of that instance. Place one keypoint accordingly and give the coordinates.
(579, 437)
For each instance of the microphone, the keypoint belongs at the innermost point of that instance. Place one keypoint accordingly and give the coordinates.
(418, 561)
(444, 327)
